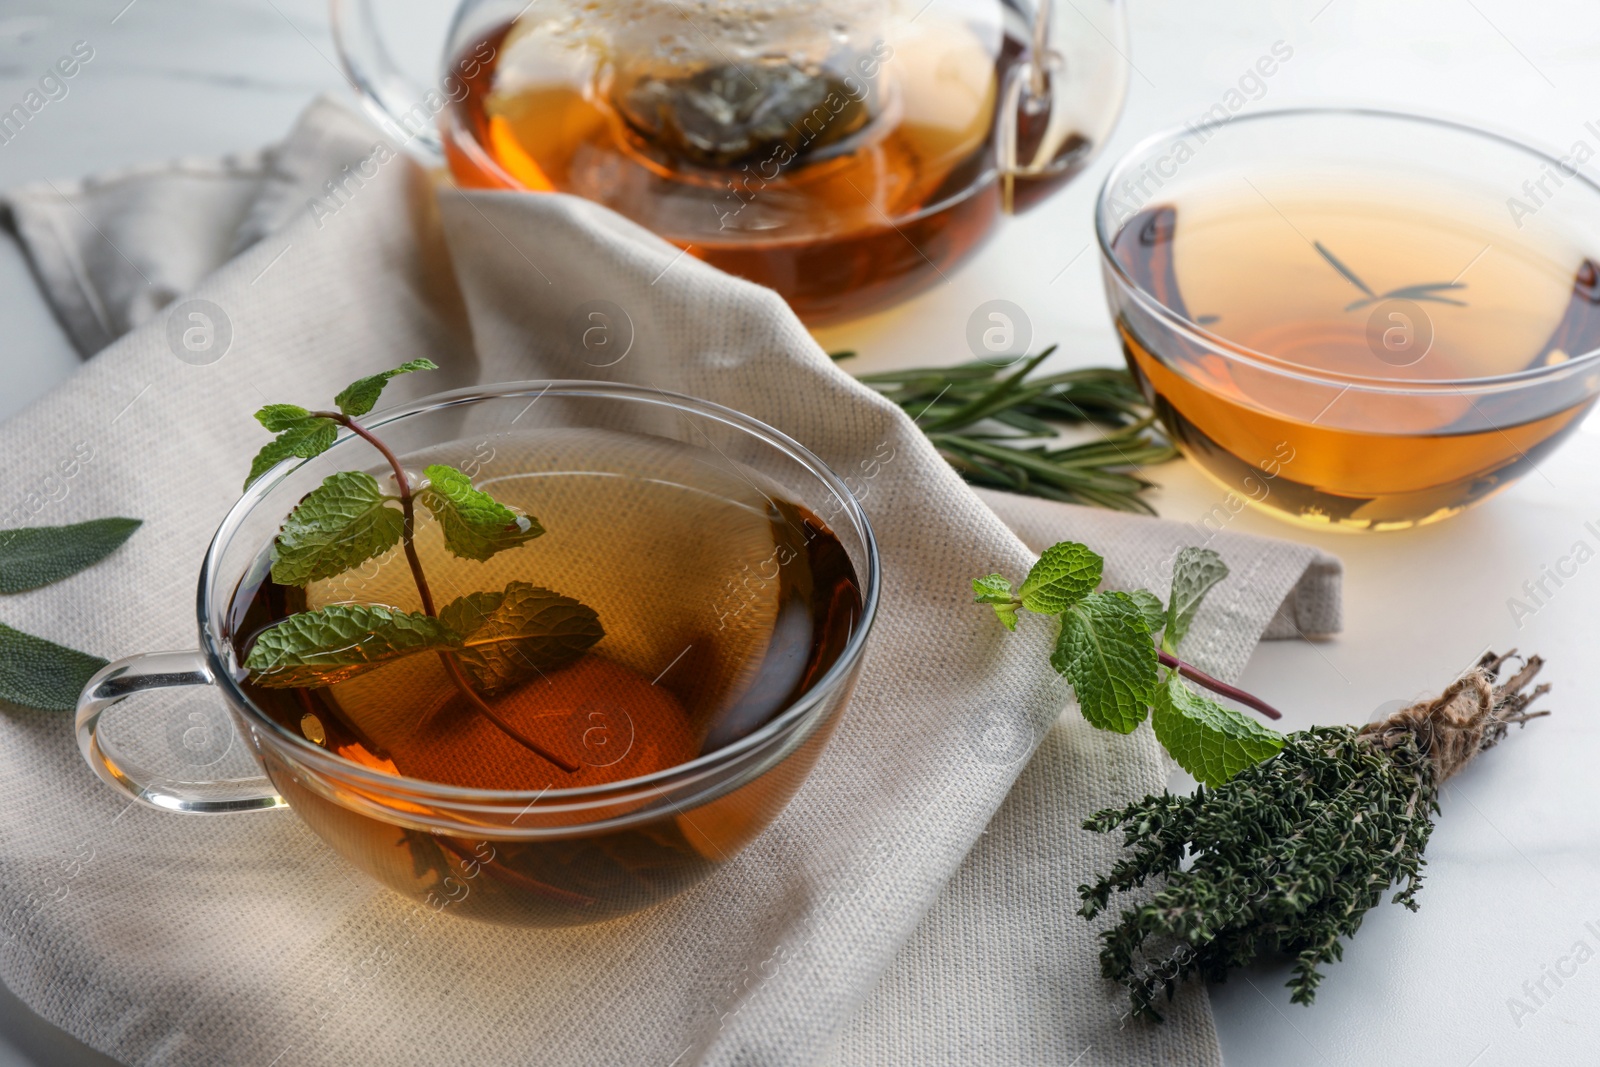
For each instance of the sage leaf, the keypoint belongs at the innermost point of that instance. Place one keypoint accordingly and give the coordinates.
(1149, 605)
(995, 589)
(476, 525)
(1194, 572)
(39, 555)
(343, 522)
(302, 437)
(510, 636)
(1065, 574)
(359, 396)
(36, 673)
(329, 645)
(1104, 650)
(1210, 741)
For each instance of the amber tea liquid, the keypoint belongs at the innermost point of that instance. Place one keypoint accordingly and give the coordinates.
(845, 188)
(722, 603)
(1443, 300)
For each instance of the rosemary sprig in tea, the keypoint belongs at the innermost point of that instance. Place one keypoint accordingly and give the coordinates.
(1425, 291)
(978, 415)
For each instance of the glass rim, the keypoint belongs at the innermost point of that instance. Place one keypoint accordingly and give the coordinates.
(213, 648)
(1212, 342)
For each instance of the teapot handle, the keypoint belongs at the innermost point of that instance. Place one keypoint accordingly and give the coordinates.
(395, 100)
(1061, 100)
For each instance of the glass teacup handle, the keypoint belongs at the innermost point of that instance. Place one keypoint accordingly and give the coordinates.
(1062, 97)
(139, 674)
(396, 100)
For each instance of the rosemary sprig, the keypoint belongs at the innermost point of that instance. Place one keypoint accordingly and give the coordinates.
(1426, 291)
(988, 422)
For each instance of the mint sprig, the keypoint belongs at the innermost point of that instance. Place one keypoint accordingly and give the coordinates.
(1064, 575)
(342, 523)
(476, 525)
(299, 436)
(1105, 649)
(511, 636)
(995, 589)
(499, 638)
(1194, 572)
(311, 649)
(360, 395)
(35, 673)
(1216, 743)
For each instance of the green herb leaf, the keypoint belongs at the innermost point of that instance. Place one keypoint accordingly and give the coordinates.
(1104, 650)
(40, 555)
(509, 637)
(1149, 605)
(1194, 572)
(1349, 275)
(995, 589)
(1064, 575)
(331, 644)
(359, 396)
(998, 431)
(279, 417)
(304, 438)
(36, 673)
(1210, 741)
(343, 522)
(476, 525)
(992, 589)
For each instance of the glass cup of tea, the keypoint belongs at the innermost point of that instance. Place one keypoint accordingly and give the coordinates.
(736, 579)
(846, 153)
(1355, 319)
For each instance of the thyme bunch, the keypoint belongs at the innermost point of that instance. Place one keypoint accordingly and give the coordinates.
(1288, 855)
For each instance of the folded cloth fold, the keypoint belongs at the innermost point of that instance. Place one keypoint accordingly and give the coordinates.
(164, 939)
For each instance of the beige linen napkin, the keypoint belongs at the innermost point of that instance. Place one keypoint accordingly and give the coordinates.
(243, 940)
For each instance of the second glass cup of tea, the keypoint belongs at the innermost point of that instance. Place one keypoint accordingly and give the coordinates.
(736, 580)
(1356, 319)
(843, 152)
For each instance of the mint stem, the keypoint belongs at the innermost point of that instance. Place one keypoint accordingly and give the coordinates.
(408, 541)
(1216, 685)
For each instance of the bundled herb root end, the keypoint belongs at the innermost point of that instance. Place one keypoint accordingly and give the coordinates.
(1289, 855)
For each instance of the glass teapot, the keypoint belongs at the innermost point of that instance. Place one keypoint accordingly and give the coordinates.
(846, 153)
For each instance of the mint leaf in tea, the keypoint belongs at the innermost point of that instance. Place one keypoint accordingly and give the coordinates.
(601, 606)
(476, 525)
(1348, 346)
(584, 608)
(508, 638)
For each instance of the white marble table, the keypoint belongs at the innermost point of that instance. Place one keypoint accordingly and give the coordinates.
(1514, 867)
